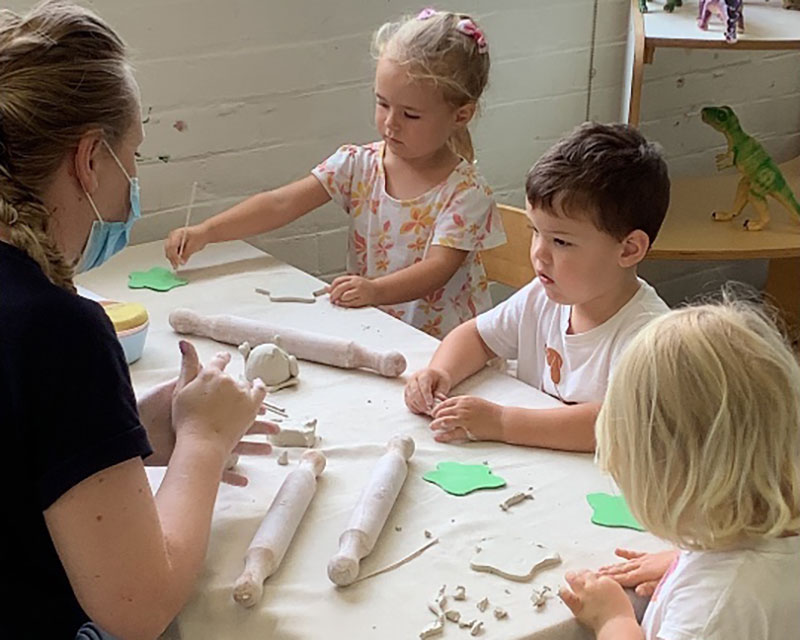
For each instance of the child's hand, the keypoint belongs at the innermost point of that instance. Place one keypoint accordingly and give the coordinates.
(597, 601)
(196, 239)
(467, 418)
(642, 571)
(353, 291)
(425, 388)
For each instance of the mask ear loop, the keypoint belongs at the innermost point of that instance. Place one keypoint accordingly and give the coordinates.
(117, 160)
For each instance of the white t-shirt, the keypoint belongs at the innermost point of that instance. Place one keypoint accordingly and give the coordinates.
(574, 368)
(751, 594)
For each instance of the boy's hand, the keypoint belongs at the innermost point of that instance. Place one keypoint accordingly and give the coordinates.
(597, 601)
(642, 571)
(196, 240)
(425, 388)
(467, 418)
(353, 291)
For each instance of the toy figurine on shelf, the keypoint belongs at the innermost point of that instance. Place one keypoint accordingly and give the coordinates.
(669, 5)
(761, 177)
(729, 11)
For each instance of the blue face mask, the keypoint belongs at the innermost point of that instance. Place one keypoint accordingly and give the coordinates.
(108, 238)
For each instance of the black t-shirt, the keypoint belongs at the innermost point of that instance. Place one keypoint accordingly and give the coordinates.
(67, 411)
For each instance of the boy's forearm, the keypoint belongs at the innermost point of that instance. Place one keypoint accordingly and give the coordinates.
(567, 428)
(462, 353)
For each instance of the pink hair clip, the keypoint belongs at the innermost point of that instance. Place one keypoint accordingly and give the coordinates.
(427, 12)
(471, 30)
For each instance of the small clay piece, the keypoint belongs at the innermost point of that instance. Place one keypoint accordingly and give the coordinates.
(433, 629)
(278, 527)
(483, 605)
(460, 479)
(452, 615)
(436, 608)
(500, 613)
(371, 511)
(269, 362)
(283, 458)
(279, 297)
(428, 534)
(304, 345)
(304, 436)
(320, 292)
(398, 529)
(466, 624)
(476, 629)
(515, 499)
(539, 597)
(513, 558)
(461, 593)
(398, 563)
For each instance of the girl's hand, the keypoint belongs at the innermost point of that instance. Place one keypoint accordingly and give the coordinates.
(353, 291)
(196, 240)
(467, 418)
(425, 388)
(642, 571)
(597, 601)
(211, 405)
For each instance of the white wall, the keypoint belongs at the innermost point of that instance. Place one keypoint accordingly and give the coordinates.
(268, 88)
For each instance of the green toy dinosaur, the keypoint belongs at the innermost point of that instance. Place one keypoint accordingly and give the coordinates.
(761, 177)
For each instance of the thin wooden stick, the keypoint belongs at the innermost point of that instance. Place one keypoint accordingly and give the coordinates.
(188, 217)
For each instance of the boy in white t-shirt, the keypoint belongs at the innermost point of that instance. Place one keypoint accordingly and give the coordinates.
(596, 201)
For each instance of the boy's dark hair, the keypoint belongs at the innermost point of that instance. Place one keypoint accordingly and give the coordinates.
(609, 170)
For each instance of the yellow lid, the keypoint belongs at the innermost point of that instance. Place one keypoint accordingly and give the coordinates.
(125, 315)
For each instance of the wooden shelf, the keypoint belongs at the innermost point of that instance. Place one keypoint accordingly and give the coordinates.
(767, 26)
(689, 233)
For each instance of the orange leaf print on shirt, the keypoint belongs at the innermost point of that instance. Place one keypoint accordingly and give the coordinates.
(433, 327)
(420, 220)
(554, 361)
(359, 197)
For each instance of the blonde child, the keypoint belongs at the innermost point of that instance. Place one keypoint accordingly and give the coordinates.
(596, 201)
(419, 210)
(701, 431)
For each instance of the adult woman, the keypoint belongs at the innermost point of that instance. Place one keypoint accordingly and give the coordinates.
(88, 539)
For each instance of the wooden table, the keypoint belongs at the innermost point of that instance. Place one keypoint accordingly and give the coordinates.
(358, 412)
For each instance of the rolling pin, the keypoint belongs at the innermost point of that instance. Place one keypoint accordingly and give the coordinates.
(371, 511)
(277, 529)
(306, 345)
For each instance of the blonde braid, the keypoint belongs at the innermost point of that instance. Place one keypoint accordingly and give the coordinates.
(26, 220)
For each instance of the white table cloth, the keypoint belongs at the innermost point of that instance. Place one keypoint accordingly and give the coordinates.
(358, 412)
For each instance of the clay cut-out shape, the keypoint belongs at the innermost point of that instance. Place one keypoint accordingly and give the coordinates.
(304, 436)
(513, 558)
(460, 479)
(612, 511)
(157, 279)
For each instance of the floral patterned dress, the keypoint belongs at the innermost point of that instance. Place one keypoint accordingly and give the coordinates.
(387, 234)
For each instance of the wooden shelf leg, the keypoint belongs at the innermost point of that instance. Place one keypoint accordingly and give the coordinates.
(783, 289)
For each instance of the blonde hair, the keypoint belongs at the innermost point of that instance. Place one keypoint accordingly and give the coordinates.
(434, 49)
(700, 427)
(63, 72)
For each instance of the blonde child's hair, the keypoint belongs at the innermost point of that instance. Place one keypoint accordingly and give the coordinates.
(700, 427)
(437, 49)
(63, 72)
